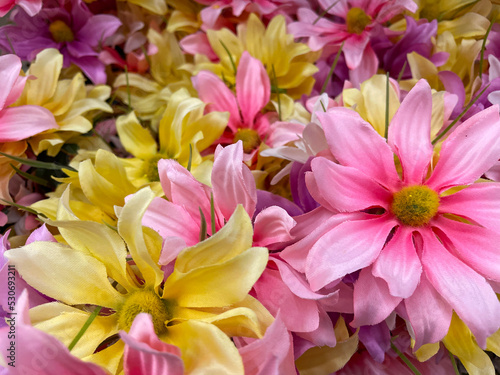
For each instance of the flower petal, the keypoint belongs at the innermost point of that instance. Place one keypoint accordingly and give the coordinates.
(472, 149)
(22, 122)
(97, 29)
(272, 226)
(410, 131)
(136, 139)
(398, 264)
(346, 248)
(10, 66)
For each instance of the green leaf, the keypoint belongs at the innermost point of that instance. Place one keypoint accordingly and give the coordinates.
(212, 212)
(190, 157)
(203, 227)
(23, 208)
(28, 176)
(38, 164)
(85, 326)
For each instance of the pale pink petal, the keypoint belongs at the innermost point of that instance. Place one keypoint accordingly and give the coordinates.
(472, 149)
(366, 69)
(345, 188)
(10, 66)
(476, 246)
(465, 290)
(398, 264)
(213, 91)
(271, 355)
(146, 354)
(311, 186)
(232, 181)
(356, 144)
(354, 47)
(253, 87)
(494, 172)
(346, 248)
(32, 7)
(324, 334)
(40, 234)
(344, 304)
(171, 220)
(17, 90)
(171, 247)
(372, 300)
(271, 226)
(428, 312)
(479, 203)
(410, 131)
(22, 122)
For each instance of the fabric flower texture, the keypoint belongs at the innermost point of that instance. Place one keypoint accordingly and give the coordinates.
(428, 238)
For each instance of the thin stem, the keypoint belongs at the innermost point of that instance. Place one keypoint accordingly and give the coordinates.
(334, 65)
(212, 212)
(190, 160)
(230, 56)
(85, 326)
(483, 47)
(322, 14)
(275, 79)
(405, 360)
(400, 75)
(203, 227)
(128, 89)
(454, 363)
(386, 132)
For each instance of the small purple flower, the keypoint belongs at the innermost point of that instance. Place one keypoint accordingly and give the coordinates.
(67, 25)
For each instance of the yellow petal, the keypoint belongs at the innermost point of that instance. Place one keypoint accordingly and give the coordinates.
(65, 274)
(493, 343)
(470, 25)
(136, 139)
(109, 358)
(46, 68)
(423, 68)
(426, 351)
(154, 6)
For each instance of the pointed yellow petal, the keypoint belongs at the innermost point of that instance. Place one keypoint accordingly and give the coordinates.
(426, 351)
(109, 358)
(136, 139)
(46, 68)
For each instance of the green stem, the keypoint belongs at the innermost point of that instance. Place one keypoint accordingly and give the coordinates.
(405, 360)
(275, 79)
(386, 132)
(483, 47)
(334, 65)
(322, 14)
(86, 325)
(454, 363)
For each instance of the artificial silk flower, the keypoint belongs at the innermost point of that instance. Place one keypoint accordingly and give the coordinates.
(31, 7)
(183, 132)
(412, 239)
(202, 286)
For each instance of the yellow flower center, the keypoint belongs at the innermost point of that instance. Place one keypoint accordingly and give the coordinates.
(357, 20)
(250, 139)
(61, 32)
(145, 301)
(415, 205)
(151, 167)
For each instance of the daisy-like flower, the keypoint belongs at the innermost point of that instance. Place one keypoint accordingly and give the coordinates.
(421, 238)
(209, 284)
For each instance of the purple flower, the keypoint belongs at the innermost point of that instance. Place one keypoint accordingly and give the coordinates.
(66, 25)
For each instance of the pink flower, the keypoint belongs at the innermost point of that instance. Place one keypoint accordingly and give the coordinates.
(407, 235)
(31, 7)
(359, 18)
(253, 90)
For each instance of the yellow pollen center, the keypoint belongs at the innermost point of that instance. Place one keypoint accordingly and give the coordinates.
(61, 32)
(415, 205)
(145, 301)
(151, 167)
(357, 20)
(250, 139)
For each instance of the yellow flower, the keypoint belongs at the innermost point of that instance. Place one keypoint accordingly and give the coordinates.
(72, 103)
(209, 284)
(183, 131)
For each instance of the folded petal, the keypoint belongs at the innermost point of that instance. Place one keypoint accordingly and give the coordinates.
(22, 122)
(466, 291)
(345, 188)
(10, 66)
(272, 225)
(98, 28)
(472, 149)
(410, 131)
(372, 300)
(355, 143)
(346, 248)
(136, 139)
(398, 264)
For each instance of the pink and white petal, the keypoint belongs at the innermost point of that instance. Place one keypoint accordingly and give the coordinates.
(479, 203)
(429, 313)
(476, 246)
(465, 290)
(347, 189)
(146, 354)
(10, 66)
(372, 300)
(398, 264)
(355, 143)
(172, 220)
(472, 149)
(32, 7)
(232, 181)
(16, 90)
(217, 95)
(272, 225)
(353, 49)
(271, 355)
(348, 247)
(22, 122)
(253, 88)
(410, 131)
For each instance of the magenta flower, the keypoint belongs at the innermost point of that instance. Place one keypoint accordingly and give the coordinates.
(412, 239)
(66, 25)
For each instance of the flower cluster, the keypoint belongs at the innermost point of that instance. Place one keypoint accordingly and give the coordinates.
(261, 187)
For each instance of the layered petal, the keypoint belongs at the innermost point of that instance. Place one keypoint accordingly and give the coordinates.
(10, 66)
(22, 122)
(136, 139)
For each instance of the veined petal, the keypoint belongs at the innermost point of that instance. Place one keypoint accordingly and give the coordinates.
(472, 149)
(466, 291)
(65, 274)
(136, 139)
(10, 66)
(98, 28)
(479, 202)
(130, 229)
(355, 143)
(253, 88)
(22, 122)
(346, 248)
(372, 300)
(272, 225)
(410, 131)
(46, 68)
(429, 314)
(346, 188)
(398, 264)
(232, 181)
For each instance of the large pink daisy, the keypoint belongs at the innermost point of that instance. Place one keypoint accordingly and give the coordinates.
(414, 240)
